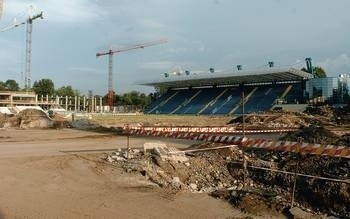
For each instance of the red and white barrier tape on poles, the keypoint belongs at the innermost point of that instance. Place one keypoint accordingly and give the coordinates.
(305, 148)
(219, 129)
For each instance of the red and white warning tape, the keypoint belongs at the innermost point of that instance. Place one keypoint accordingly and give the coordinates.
(218, 129)
(306, 148)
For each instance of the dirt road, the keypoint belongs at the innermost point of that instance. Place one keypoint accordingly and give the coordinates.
(38, 180)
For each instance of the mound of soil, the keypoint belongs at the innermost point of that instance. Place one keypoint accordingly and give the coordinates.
(33, 118)
(272, 120)
(317, 135)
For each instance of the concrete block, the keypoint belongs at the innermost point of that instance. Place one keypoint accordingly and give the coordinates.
(152, 145)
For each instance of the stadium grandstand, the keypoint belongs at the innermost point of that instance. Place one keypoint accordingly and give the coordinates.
(215, 93)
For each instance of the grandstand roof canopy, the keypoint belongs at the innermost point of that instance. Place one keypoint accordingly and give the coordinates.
(231, 78)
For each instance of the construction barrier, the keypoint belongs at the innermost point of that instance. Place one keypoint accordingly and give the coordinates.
(244, 142)
(218, 129)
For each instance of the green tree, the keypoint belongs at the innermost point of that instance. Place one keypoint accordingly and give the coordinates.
(126, 99)
(318, 71)
(67, 91)
(131, 98)
(2, 85)
(11, 85)
(44, 87)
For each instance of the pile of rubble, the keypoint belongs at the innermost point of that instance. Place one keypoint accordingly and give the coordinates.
(30, 118)
(230, 174)
(272, 120)
(33, 118)
(88, 125)
(317, 135)
(169, 167)
(325, 111)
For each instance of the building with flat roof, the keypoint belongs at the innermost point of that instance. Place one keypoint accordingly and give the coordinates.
(15, 98)
(226, 93)
(222, 93)
(333, 90)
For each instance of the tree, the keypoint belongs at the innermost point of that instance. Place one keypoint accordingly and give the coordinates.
(318, 71)
(2, 85)
(126, 99)
(131, 98)
(44, 87)
(11, 85)
(67, 91)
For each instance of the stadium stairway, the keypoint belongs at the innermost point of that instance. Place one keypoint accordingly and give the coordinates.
(224, 102)
(200, 101)
(284, 94)
(182, 97)
(289, 88)
(162, 101)
(246, 99)
(185, 103)
(232, 100)
(263, 99)
(293, 95)
(212, 102)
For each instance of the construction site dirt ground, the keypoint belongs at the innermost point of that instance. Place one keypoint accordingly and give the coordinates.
(39, 180)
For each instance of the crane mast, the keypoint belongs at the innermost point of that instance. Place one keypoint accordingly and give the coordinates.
(28, 55)
(28, 51)
(1, 7)
(110, 96)
(110, 53)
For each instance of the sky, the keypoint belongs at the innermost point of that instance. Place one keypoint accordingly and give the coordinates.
(201, 34)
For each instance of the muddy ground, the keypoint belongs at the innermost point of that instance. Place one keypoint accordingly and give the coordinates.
(62, 173)
(38, 180)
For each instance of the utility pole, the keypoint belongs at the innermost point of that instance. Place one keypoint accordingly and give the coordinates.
(243, 119)
(300, 142)
(28, 57)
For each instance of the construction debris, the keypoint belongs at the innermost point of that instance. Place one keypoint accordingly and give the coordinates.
(87, 125)
(272, 120)
(319, 135)
(235, 176)
(31, 118)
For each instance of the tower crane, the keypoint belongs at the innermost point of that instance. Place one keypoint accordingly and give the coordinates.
(1, 7)
(110, 54)
(28, 58)
(29, 29)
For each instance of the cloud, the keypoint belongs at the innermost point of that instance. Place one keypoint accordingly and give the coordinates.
(182, 50)
(337, 65)
(159, 65)
(87, 72)
(11, 55)
(151, 24)
(63, 11)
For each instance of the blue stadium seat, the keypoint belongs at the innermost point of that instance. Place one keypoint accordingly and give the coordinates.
(176, 101)
(200, 101)
(186, 102)
(262, 99)
(154, 105)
